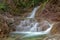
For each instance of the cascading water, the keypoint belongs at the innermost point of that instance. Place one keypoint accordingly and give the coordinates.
(29, 24)
(30, 27)
(33, 12)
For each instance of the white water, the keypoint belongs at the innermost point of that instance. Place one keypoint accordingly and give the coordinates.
(33, 12)
(29, 24)
(30, 27)
(34, 28)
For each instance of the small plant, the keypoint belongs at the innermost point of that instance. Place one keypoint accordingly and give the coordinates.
(27, 3)
(3, 6)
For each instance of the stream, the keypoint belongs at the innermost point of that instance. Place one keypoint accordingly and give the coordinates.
(30, 27)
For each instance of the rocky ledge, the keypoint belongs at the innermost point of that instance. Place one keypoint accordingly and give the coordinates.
(51, 13)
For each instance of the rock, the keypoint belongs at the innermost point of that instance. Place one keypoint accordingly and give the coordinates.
(52, 37)
(5, 29)
(51, 12)
(44, 25)
(56, 28)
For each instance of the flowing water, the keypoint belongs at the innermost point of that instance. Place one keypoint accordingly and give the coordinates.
(30, 27)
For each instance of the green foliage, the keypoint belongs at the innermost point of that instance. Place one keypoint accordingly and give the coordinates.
(23, 4)
(28, 3)
(3, 6)
(19, 6)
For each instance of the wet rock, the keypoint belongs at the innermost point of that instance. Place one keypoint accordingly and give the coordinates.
(44, 25)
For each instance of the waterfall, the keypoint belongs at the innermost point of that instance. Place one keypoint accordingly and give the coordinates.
(29, 26)
(35, 33)
(33, 12)
(34, 28)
